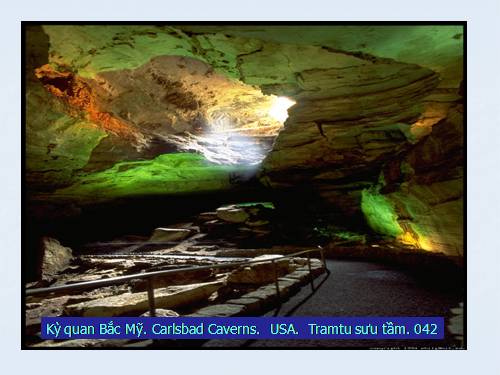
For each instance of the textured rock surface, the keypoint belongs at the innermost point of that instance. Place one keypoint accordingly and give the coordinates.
(232, 214)
(435, 47)
(170, 234)
(220, 310)
(261, 273)
(56, 257)
(429, 196)
(129, 303)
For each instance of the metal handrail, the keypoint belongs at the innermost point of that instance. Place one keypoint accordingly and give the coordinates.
(93, 284)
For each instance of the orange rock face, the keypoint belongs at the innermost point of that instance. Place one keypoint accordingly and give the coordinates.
(79, 97)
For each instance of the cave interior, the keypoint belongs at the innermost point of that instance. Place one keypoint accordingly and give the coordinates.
(242, 140)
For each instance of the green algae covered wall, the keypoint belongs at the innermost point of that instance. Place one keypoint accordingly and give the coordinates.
(379, 213)
(93, 49)
(166, 174)
(438, 47)
(349, 83)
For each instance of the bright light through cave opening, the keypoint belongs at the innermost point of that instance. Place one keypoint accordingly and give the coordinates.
(279, 109)
(230, 140)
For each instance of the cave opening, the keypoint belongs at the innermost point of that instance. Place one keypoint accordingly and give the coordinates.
(227, 139)
(195, 142)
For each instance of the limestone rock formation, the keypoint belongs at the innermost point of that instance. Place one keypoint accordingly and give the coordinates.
(429, 197)
(375, 135)
(56, 257)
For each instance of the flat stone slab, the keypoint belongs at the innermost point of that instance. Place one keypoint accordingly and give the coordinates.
(260, 299)
(261, 273)
(286, 287)
(170, 234)
(302, 276)
(137, 303)
(286, 282)
(252, 305)
(457, 310)
(56, 257)
(262, 294)
(232, 214)
(225, 309)
(207, 216)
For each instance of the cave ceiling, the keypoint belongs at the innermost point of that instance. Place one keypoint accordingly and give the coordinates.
(122, 110)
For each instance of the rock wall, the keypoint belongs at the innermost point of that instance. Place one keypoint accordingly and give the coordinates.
(393, 155)
(426, 190)
(376, 134)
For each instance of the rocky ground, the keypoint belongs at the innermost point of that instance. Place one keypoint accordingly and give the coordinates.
(127, 124)
(235, 233)
(211, 238)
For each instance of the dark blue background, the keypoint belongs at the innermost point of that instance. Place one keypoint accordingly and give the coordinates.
(263, 326)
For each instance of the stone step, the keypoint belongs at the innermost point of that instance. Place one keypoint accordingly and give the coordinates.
(226, 309)
(262, 299)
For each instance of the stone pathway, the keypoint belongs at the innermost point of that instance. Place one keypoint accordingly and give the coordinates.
(361, 289)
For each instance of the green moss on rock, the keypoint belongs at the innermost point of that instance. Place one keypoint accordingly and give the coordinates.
(90, 49)
(56, 144)
(333, 232)
(167, 174)
(269, 205)
(379, 213)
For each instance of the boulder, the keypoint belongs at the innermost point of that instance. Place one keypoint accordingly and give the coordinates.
(232, 214)
(207, 216)
(301, 276)
(170, 234)
(56, 257)
(265, 295)
(137, 303)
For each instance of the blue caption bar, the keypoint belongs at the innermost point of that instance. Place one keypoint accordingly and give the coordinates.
(64, 328)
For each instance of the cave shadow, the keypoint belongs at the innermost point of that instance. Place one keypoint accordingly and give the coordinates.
(37, 46)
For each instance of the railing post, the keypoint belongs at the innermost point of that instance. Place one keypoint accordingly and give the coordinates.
(151, 298)
(322, 254)
(276, 283)
(311, 279)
